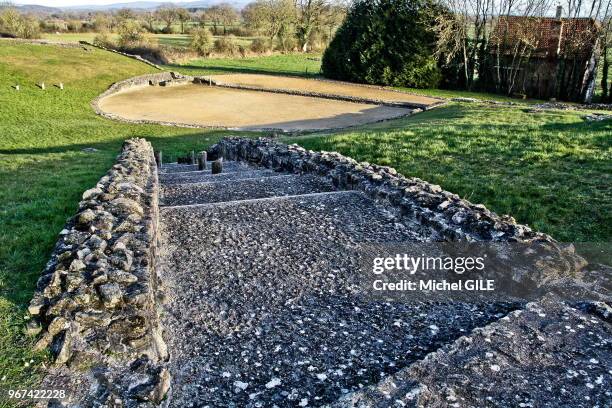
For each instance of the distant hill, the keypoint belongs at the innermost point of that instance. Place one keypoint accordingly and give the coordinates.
(33, 8)
(147, 5)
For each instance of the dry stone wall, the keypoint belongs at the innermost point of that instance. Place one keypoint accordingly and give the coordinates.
(125, 54)
(95, 303)
(417, 107)
(451, 216)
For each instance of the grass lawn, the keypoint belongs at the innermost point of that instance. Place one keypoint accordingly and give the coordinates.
(169, 40)
(307, 65)
(43, 170)
(550, 170)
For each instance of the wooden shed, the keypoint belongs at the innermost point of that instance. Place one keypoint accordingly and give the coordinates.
(544, 57)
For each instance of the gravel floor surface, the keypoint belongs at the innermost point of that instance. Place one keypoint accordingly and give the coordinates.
(265, 298)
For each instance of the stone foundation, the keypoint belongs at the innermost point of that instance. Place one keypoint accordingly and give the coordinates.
(95, 303)
(453, 217)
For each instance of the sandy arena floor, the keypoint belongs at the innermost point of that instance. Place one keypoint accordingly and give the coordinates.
(325, 87)
(222, 107)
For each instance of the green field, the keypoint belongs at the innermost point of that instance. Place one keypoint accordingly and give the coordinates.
(308, 65)
(550, 170)
(168, 40)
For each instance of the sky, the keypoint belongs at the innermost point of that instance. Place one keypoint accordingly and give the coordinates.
(65, 3)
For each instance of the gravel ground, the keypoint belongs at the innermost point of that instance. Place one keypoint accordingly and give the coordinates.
(265, 303)
(266, 307)
(207, 106)
(547, 355)
(200, 193)
(203, 177)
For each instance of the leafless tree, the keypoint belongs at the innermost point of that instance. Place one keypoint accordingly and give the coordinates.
(271, 17)
(310, 15)
(221, 15)
(182, 15)
(167, 14)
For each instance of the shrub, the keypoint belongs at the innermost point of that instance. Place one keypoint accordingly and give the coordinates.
(201, 41)
(131, 34)
(15, 24)
(226, 45)
(167, 30)
(286, 43)
(388, 42)
(240, 31)
(74, 26)
(150, 52)
(53, 25)
(242, 51)
(260, 46)
(104, 40)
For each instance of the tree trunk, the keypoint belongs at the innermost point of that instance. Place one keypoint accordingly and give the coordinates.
(605, 95)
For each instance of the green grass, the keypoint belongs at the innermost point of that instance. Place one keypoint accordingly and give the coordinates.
(169, 40)
(307, 65)
(550, 170)
(43, 170)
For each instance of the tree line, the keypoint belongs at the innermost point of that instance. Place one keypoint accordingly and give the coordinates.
(300, 25)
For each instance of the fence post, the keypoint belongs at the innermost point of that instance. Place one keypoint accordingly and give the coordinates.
(217, 166)
(202, 161)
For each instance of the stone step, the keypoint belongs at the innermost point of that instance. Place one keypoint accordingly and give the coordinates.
(548, 354)
(228, 167)
(203, 177)
(266, 301)
(218, 191)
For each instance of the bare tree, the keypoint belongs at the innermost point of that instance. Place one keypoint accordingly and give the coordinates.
(221, 15)
(125, 14)
(310, 15)
(182, 16)
(332, 19)
(15, 24)
(271, 17)
(606, 41)
(167, 14)
(150, 18)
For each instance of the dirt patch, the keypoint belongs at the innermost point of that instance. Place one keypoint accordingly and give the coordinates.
(328, 87)
(200, 105)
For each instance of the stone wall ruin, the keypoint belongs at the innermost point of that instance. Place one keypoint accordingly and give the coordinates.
(94, 305)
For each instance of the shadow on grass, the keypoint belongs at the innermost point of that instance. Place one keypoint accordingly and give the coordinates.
(172, 144)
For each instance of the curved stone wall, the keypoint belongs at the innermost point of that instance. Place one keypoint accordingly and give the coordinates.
(173, 78)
